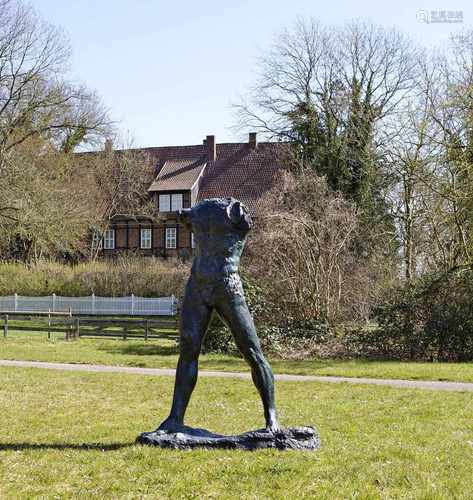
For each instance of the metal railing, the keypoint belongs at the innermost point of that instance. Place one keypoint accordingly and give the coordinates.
(93, 305)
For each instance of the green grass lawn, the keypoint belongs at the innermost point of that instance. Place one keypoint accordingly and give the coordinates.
(163, 354)
(71, 435)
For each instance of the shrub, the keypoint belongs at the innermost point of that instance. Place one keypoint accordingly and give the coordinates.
(306, 254)
(147, 277)
(427, 319)
(281, 338)
(218, 338)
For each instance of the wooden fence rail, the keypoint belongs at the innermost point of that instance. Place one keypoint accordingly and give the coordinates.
(75, 327)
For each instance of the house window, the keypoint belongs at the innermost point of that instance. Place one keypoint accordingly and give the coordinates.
(170, 202)
(164, 202)
(109, 239)
(171, 237)
(176, 202)
(145, 238)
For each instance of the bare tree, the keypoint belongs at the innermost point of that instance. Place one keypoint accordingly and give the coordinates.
(35, 99)
(335, 93)
(448, 90)
(306, 233)
(410, 157)
(116, 184)
(42, 118)
(122, 179)
(43, 212)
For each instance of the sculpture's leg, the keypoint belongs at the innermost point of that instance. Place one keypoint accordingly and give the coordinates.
(235, 313)
(195, 318)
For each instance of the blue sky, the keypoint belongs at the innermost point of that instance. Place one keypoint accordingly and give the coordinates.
(169, 70)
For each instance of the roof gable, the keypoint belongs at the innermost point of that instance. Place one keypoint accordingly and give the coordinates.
(178, 174)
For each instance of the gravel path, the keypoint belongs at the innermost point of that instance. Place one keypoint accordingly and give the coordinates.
(411, 384)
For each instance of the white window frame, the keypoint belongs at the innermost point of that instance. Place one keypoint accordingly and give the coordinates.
(170, 202)
(171, 238)
(192, 240)
(109, 239)
(146, 238)
(176, 202)
(164, 201)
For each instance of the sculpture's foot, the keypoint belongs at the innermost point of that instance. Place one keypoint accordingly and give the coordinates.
(299, 438)
(274, 428)
(272, 424)
(171, 425)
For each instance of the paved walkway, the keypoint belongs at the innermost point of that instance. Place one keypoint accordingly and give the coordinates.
(412, 384)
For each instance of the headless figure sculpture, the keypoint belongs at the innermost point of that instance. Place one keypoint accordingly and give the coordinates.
(220, 227)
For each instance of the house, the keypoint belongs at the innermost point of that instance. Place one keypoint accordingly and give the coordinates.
(184, 175)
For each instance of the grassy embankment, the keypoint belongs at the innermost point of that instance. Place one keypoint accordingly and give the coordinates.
(146, 277)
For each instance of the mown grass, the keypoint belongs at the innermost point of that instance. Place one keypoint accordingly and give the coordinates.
(163, 354)
(71, 435)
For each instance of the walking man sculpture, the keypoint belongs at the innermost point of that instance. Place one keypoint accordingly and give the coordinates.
(220, 227)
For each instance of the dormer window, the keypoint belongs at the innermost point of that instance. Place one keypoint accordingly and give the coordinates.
(171, 202)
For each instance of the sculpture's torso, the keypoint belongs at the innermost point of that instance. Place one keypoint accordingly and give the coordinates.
(220, 227)
(217, 256)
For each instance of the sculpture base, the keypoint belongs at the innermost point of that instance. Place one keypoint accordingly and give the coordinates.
(296, 438)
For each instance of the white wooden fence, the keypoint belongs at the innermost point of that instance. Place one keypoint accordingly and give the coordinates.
(130, 306)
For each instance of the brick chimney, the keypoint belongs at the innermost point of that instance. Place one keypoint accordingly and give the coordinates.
(211, 148)
(252, 141)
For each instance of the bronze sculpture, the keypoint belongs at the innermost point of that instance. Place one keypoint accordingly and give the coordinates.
(220, 227)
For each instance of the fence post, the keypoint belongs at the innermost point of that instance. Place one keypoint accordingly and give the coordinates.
(69, 325)
(54, 302)
(49, 324)
(146, 329)
(132, 304)
(173, 305)
(93, 303)
(5, 326)
(16, 302)
(77, 333)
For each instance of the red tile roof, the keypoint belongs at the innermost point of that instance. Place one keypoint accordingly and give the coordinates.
(242, 172)
(239, 170)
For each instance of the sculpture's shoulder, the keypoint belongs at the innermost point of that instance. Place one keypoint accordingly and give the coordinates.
(218, 204)
(216, 213)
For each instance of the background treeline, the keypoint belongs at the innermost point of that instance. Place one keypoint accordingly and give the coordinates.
(52, 200)
(367, 237)
(372, 224)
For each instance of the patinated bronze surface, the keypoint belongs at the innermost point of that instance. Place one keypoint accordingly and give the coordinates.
(299, 438)
(220, 227)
